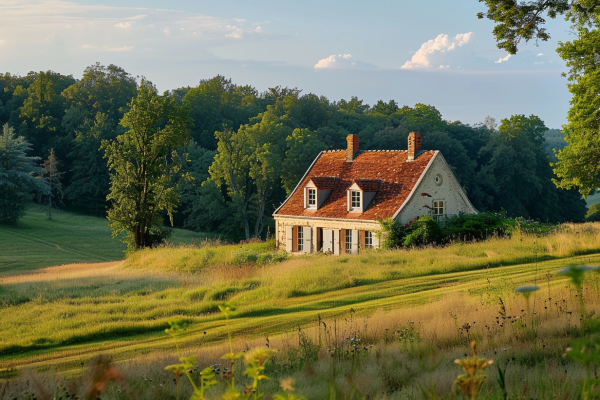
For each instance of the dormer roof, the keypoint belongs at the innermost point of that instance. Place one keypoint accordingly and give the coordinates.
(367, 185)
(323, 182)
(387, 173)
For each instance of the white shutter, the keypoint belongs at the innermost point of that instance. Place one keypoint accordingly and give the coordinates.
(288, 238)
(354, 241)
(327, 240)
(336, 242)
(348, 200)
(307, 231)
(375, 240)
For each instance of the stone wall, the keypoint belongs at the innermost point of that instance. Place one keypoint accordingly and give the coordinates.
(449, 190)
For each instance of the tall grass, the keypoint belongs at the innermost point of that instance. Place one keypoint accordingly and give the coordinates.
(63, 314)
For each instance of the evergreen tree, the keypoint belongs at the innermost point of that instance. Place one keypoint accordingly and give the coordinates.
(17, 180)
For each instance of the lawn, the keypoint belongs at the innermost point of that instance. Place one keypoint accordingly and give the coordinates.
(37, 242)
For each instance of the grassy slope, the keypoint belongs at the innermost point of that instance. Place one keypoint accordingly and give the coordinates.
(68, 238)
(67, 314)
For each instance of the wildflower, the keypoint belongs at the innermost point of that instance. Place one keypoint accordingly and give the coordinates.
(470, 383)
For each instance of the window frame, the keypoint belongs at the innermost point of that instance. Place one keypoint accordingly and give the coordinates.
(310, 191)
(368, 240)
(437, 208)
(355, 204)
(348, 241)
(300, 238)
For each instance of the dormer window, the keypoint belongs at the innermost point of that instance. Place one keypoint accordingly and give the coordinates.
(355, 202)
(312, 198)
(316, 191)
(360, 194)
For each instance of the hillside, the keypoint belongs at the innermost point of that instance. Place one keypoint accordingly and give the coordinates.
(37, 242)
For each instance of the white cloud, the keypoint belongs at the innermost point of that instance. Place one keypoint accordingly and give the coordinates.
(433, 51)
(540, 54)
(501, 60)
(239, 19)
(125, 25)
(236, 34)
(258, 29)
(341, 61)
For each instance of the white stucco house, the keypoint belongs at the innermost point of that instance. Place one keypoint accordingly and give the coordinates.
(338, 202)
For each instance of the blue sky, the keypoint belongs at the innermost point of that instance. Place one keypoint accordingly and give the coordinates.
(428, 51)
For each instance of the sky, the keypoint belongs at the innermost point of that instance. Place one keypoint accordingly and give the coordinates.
(435, 52)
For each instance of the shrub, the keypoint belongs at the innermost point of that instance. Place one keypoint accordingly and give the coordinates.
(424, 230)
(477, 227)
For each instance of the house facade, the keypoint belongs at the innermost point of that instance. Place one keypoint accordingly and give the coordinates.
(338, 202)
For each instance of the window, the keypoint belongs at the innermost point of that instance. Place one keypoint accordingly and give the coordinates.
(438, 207)
(354, 199)
(300, 238)
(312, 198)
(348, 246)
(368, 239)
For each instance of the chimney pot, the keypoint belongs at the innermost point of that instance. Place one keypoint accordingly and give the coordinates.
(352, 141)
(414, 145)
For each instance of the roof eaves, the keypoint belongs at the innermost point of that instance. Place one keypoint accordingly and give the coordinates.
(299, 182)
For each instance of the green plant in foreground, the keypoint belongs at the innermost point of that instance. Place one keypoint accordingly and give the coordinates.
(188, 364)
(470, 383)
(585, 350)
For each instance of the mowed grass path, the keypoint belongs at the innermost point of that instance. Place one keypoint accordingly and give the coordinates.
(37, 242)
(61, 316)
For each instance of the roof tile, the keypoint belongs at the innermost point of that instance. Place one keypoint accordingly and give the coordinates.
(394, 176)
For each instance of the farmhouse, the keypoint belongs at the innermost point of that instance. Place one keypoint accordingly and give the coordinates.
(338, 202)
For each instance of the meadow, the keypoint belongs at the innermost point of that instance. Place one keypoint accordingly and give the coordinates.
(382, 324)
(37, 242)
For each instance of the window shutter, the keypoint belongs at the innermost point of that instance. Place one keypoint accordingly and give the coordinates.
(375, 240)
(327, 241)
(319, 234)
(354, 241)
(307, 230)
(342, 246)
(348, 200)
(361, 240)
(295, 239)
(288, 238)
(336, 242)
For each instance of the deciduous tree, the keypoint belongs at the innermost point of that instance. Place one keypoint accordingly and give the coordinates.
(144, 166)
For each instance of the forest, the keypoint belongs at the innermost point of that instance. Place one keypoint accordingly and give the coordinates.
(236, 153)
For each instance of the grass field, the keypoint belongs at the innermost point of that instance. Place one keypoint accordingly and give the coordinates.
(59, 318)
(68, 238)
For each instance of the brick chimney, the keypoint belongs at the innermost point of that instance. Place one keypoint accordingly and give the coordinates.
(352, 141)
(414, 145)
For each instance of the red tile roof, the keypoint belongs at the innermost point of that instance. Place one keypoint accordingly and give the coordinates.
(395, 176)
(323, 182)
(367, 185)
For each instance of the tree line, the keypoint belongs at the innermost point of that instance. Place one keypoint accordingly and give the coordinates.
(220, 157)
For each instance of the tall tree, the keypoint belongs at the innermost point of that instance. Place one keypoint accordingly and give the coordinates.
(144, 166)
(578, 164)
(248, 162)
(52, 176)
(17, 180)
(95, 105)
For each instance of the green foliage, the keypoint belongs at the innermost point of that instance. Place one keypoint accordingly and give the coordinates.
(17, 180)
(425, 230)
(476, 227)
(145, 166)
(593, 213)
